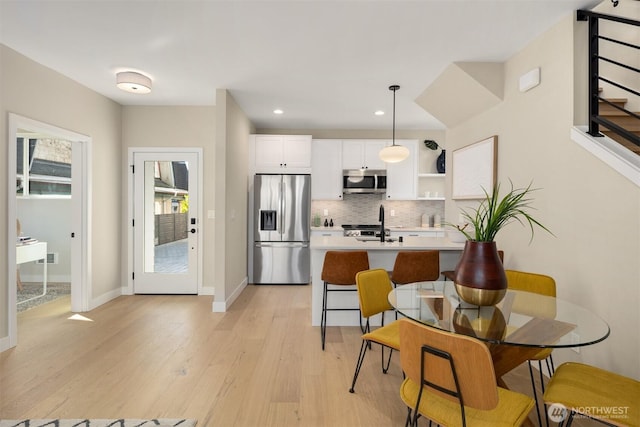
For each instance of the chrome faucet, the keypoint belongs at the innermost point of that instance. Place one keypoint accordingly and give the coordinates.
(381, 219)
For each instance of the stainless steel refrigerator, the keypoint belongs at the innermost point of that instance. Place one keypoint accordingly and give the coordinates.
(281, 229)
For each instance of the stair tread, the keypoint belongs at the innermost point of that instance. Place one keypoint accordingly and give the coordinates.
(615, 100)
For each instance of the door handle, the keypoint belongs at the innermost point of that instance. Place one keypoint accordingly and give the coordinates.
(193, 231)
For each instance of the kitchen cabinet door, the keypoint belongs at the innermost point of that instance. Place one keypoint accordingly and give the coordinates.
(296, 151)
(372, 154)
(402, 176)
(362, 154)
(282, 153)
(268, 151)
(326, 169)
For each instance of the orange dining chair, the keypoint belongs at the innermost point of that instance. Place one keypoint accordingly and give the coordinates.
(450, 380)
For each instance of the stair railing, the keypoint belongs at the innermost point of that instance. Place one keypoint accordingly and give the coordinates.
(595, 119)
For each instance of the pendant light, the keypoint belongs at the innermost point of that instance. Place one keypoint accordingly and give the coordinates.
(394, 153)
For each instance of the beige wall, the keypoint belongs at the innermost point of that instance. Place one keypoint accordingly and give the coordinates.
(36, 92)
(592, 210)
(192, 127)
(231, 189)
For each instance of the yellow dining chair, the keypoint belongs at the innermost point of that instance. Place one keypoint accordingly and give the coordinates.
(542, 285)
(450, 380)
(373, 288)
(593, 392)
(339, 271)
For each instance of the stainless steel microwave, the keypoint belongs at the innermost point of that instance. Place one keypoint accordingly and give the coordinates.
(364, 181)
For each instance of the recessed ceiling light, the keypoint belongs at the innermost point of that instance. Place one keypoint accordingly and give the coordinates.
(278, 111)
(379, 113)
(133, 82)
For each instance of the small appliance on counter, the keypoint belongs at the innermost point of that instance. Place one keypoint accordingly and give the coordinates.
(281, 253)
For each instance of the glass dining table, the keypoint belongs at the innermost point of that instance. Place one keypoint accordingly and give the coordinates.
(514, 329)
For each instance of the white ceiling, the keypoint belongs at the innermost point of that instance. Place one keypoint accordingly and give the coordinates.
(327, 64)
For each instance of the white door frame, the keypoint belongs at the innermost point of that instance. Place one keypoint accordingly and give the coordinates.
(81, 194)
(129, 288)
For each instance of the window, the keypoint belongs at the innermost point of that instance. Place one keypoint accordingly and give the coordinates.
(43, 167)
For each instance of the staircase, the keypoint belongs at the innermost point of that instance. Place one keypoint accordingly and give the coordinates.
(622, 119)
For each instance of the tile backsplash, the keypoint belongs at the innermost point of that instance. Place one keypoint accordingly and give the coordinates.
(364, 208)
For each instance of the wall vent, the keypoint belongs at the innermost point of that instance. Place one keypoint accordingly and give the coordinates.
(52, 258)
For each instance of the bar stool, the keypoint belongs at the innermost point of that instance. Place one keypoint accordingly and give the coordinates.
(415, 266)
(339, 269)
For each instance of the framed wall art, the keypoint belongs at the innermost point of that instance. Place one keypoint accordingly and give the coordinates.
(474, 169)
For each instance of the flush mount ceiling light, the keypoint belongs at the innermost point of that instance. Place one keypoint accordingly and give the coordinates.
(278, 111)
(394, 153)
(133, 82)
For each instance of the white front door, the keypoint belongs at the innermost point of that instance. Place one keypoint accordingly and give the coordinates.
(165, 222)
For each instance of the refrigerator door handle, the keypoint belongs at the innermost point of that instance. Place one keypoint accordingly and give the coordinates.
(283, 245)
(283, 206)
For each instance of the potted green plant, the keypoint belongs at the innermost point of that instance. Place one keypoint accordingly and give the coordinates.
(479, 275)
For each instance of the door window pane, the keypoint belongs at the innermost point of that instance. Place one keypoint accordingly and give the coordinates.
(167, 199)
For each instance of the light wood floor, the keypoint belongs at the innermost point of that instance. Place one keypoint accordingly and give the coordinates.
(259, 364)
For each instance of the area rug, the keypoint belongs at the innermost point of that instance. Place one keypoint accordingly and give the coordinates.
(30, 290)
(160, 422)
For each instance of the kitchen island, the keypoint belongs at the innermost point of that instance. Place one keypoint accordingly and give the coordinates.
(381, 255)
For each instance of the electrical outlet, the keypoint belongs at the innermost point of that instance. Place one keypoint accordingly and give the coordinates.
(326, 212)
(393, 212)
(575, 338)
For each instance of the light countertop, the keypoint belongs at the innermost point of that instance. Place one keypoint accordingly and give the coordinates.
(409, 243)
(391, 228)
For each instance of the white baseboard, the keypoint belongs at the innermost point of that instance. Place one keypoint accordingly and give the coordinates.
(207, 290)
(104, 298)
(222, 306)
(4, 344)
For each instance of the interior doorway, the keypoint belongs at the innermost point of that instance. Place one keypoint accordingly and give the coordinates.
(48, 183)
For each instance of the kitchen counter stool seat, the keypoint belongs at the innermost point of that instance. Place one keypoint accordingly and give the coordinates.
(339, 271)
(416, 266)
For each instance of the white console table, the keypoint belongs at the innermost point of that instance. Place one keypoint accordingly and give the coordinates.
(34, 252)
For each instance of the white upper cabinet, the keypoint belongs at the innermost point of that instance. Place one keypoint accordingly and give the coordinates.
(326, 169)
(282, 153)
(402, 176)
(362, 154)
